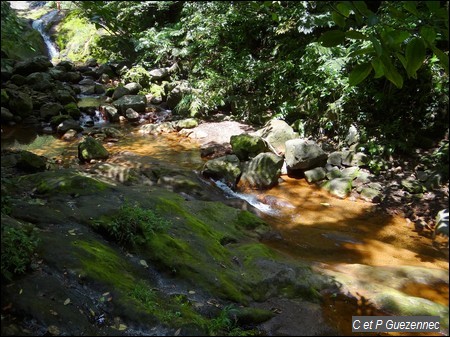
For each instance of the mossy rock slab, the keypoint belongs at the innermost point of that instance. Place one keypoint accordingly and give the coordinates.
(68, 181)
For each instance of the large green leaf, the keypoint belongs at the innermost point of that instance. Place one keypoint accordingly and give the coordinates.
(391, 73)
(394, 38)
(415, 55)
(359, 73)
(428, 34)
(433, 6)
(376, 45)
(402, 59)
(355, 35)
(332, 38)
(344, 9)
(338, 18)
(378, 67)
(363, 51)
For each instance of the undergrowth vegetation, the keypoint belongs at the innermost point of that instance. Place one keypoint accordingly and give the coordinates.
(132, 225)
(304, 62)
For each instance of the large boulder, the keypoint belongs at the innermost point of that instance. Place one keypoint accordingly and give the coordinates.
(262, 171)
(31, 162)
(246, 146)
(226, 169)
(276, 133)
(20, 103)
(48, 110)
(90, 149)
(121, 91)
(304, 154)
(135, 102)
(33, 65)
(40, 81)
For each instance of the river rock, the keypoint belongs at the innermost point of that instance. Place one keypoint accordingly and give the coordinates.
(340, 187)
(120, 91)
(131, 115)
(90, 149)
(246, 146)
(20, 103)
(32, 65)
(31, 162)
(262, 171)
(6, 115)
(133, 88)
(226, 169)
(304, 154)
(48, 110)
(67, 125)
(276, 133)
(316, 174)
(135, 102)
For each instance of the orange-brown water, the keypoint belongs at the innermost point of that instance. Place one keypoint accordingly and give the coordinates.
(329, 232)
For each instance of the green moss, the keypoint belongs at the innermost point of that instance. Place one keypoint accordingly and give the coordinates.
(248, 220)
(76, 37)
(65, 182)
(103, 264)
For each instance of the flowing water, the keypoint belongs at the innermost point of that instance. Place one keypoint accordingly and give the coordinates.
(336, 236)
(40, 26)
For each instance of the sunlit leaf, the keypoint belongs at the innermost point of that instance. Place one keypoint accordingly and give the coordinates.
(443, 58)
(359, 73)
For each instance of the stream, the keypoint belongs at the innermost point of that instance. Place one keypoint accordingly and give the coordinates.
(370, 253)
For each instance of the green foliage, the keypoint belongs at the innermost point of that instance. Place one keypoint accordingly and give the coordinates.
(76, 38)
(137, 74)
(296, 61)
(18, 245)
(132, 225)
(393, 38)
(19, 41)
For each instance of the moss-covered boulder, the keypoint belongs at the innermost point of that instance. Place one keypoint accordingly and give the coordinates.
(246, 146)
(262, 171)
(91, 148)
(226, 169)
(20, 103)
(340, 187)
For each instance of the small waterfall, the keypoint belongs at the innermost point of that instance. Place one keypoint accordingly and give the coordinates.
(229, 193)
(40, 25)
